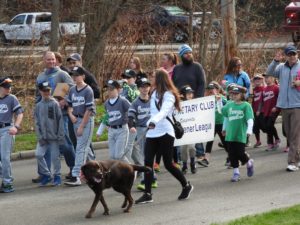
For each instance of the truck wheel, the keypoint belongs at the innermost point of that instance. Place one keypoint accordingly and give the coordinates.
(45, 39)
(2, 38)
(180, 36)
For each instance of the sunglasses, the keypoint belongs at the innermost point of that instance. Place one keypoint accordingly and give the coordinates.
(291, 54)
(237, 65)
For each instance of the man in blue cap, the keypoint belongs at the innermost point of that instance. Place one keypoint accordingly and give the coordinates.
(288, 73)
(189, 72)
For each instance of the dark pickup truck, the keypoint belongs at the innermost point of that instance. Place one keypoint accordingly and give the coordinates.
(292, 20)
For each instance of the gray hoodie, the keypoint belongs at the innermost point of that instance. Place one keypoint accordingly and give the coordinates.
(49, 124)
(289, 97)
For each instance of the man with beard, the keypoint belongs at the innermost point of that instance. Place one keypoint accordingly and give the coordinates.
(189, 72)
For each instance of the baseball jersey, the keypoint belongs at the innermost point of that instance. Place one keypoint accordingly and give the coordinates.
(270, 96)
(117, 112)
(81, 100)
(257, 98)
(238, 115)
(9, 105)
(140, 112)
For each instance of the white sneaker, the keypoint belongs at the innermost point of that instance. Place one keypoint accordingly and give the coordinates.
(292, 168)
(74, 181)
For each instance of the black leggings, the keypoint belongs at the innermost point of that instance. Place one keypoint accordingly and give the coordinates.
(271, 129)
(163, 145)
(237, 153)
(209, 144)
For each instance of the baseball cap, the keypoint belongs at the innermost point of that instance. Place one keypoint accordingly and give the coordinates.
(238, 89)
(113, 84)
(77, 71)
(129, 74)
(44, 86)
(5, 82)
(258, 76)
(143, 81)
(290, 49)
(186, 89)
(212, 86)
(75, 57)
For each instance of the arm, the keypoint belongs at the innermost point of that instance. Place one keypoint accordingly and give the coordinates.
(274, 69)
(60, 124)
(201, 79)
(249, 126)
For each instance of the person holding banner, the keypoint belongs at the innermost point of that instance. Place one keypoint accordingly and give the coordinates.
(161, 136)
(215, 89)
(238, 125)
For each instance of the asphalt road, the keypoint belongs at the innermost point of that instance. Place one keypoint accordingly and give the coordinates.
(215, 198)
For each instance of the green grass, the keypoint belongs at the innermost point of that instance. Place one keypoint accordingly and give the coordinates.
(25, 142)
(285, 216)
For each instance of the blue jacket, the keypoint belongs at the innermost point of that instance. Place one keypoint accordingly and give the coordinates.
(242, 79)
(289, 97)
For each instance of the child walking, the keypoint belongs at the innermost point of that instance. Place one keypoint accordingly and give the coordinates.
(188, 150)
(238, 124)
(8, 128)
(258, 82)
(49, 128)
(215, 89)
(81, 112)
(270, 95)
(117, 109)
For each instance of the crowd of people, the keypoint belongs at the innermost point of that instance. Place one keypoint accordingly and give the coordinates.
(139, 117)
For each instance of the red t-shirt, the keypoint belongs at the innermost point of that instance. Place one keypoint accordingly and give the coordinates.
(270, 95)
(257, 97)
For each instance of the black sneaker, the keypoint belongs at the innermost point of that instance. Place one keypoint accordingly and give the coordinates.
(68, 176)
(74, 181)
(36, 180)
(186, 192)
(145, 198)
(184, 168)
(204, 162)
(193, 168)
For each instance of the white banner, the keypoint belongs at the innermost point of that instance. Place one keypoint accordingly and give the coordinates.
(198, 120)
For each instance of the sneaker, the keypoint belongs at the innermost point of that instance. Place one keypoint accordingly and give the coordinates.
(177, 165)
(257, 144)
(203, 162)
(56, 181)
(250, 168)
(248, 144)
(154, 184)
(68, 176)
(45, 180)
(7, 188)
(184, 168)
(227, 163)
(145, 198)
(186, 192)
(292, 168)
(74, 181)
(36, 180)
(236, 177)
(156, 168)
(270, 147)
(286, 149)
(141, 186)
(193, 168)
(277, 143)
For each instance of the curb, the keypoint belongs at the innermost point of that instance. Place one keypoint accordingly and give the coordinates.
(31, 153)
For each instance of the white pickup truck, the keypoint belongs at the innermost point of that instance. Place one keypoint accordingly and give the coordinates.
(35, 27)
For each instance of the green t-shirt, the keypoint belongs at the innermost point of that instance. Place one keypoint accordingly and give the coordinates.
(219, 118)
(238, 115)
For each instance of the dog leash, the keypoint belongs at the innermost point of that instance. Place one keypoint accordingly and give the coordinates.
(136, 142)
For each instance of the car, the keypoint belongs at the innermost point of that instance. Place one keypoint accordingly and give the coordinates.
(292, 20)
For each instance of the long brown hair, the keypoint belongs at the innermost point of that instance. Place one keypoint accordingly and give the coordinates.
(137, 63)
(163, 84)
(172, 57)
(232, 64)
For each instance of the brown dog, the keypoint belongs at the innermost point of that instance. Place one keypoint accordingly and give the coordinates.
(119, 175)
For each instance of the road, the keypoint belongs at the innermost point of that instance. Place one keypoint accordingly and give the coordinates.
(215, 198)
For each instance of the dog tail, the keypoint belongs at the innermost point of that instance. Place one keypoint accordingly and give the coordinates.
(141, 168)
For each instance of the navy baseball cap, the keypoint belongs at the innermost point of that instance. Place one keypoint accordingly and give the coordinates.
(44, 86)
(290, 49)
(77, 71)
(212, 86)
(143, 81)
(238, 89)
(186, 89)
(75, 57)
(128, 74)
(113, 84)
(5, 82)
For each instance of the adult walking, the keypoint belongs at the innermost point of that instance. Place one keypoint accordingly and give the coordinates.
(160, 136)
(288, 73)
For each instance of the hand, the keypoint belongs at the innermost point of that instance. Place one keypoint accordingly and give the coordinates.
(278, 56)
(296, 83)
(73, 119)
(42, 142)
(151, 125)
(13, 131)
(257, 113)
(274, 110)
(218, 97)
(224, 133)
(79, 131)
(132, 130)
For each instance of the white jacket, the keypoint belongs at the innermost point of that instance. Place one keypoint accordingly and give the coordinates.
(158, 117)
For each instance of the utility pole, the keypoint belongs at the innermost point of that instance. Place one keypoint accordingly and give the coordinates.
(191, 23)
(229, 30)
(54, 25)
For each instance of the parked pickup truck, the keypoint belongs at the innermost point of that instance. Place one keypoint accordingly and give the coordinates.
(34, 27)
(292, 20)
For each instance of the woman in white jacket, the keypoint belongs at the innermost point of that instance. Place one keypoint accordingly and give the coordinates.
(160, 136)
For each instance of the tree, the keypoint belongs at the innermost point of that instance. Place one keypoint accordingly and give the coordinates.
(54, 25)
